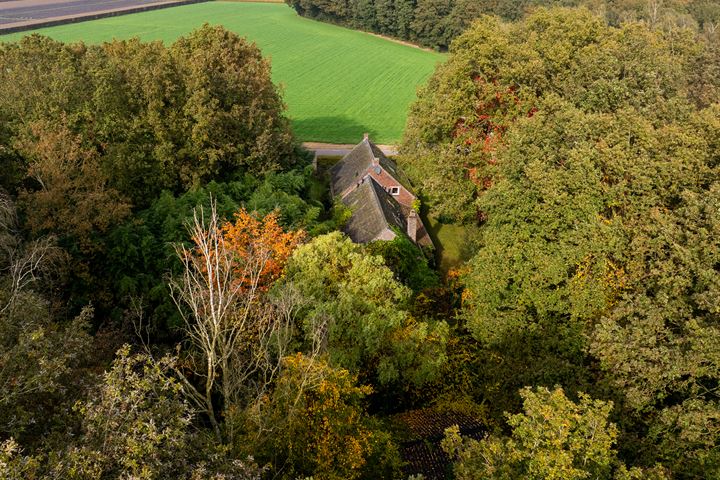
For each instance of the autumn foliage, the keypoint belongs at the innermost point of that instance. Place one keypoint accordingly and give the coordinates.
(255, 240)
(318, 416)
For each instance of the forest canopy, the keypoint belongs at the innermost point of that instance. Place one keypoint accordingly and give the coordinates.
(177, 299)
(586, 157)
(436, 23)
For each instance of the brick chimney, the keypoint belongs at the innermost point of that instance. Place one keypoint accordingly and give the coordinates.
(412, 225)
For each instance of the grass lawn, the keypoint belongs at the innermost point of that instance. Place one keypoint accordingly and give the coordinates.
(451, 245)
(337, 83)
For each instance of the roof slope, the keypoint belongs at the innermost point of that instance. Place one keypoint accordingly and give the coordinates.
(424, 430)
(390, 166)
(374, 210)
(353, 166)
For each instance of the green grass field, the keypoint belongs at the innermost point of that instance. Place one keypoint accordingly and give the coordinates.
(337, 83)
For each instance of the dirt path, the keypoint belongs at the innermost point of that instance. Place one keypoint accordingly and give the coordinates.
(401, 42)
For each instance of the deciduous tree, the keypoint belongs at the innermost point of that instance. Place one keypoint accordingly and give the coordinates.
(251, 239)
(230, 330)
(357, 311)
(313, 422)
(554, 438)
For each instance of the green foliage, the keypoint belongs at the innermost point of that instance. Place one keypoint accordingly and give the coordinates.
(39, 358)
(39, 361)
(141, 253)
(136, 425)
(572, 235)
(580, 151)
(156, 116)
(499, 74)
(233, 112)
(14, 465)
(586, 157)
(357, 311)
(97, 128)
(436, 23)
(659, 345)
(554, 438)
(407, 262)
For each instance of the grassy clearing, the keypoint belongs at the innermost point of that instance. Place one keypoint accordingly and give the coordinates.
(337, 83)
(451, 244)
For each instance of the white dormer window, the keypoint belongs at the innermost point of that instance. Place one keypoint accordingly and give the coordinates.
(395, 190)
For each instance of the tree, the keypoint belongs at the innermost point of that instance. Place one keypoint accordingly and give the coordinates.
(250, 239)
(407, 261)
(229, 91)
(72, 198)
(38, 360)
(313, 422)
(140, 252)
(30, 88)
(14, 465)
(37, 356)
(154, 115)
(90, 130)
(385, 17)
(499, 73)
(585, 179)
(704, 72)
(68, 196)
(430, 23)
(554, 438)
(228, 326)
(136, 425)
(439, 23)
(404, 14)
(357, 312)
(364, 15)
(659, 345)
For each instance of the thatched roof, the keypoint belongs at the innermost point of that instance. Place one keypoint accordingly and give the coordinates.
(374, 211)
(351, 169)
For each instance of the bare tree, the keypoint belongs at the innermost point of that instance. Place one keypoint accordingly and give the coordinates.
(237, 335)
(285, 302)
(23, 262)
(654, 8)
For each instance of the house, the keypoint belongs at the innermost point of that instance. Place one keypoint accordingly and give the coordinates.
(378, 194)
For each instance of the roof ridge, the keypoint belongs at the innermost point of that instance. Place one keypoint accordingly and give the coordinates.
(366, 141)
(381, 157)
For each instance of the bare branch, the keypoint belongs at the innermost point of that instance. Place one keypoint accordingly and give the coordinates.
(237, 334)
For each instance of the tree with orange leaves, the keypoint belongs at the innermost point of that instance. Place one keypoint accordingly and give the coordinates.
(261, 248)
(236, 340)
